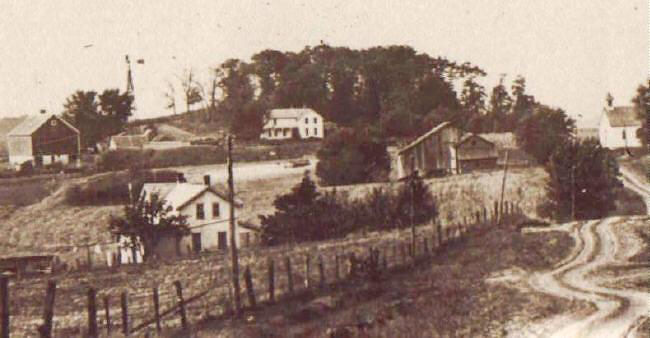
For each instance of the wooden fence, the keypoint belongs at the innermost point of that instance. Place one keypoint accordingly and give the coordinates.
(265, 282)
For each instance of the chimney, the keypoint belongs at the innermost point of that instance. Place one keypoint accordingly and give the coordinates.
(206, 180)
(180, 178)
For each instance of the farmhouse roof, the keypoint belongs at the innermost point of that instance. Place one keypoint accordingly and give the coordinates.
(473, 153)
(178, 195)
(129, 141)
(623, 116)
(31, 123)
(501, 140)
(433, 131)
(289, 113)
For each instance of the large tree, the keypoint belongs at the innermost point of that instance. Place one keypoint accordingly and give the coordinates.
(585, 172)
(641, 102)
(542, 132)
(98, 116)
(146, 221)
(350, 156)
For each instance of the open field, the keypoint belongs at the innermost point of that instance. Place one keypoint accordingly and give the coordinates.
(469, 290)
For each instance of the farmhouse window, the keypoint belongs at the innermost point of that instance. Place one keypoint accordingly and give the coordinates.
(285, 132)
(306, 131)
(624, 134)
(200, 213)
(315, 131)
(270, 133)
(315, 120)
(215, 210)
(306, 120)
(275, 121)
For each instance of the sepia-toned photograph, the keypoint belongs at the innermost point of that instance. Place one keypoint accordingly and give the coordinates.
(328, 169)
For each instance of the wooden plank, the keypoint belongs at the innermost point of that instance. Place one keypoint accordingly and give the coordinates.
(107, 313)
(250, 291)
(45, 329)
(124, 303)
(4, 307)
(92, 313)
(156, 309)
(181, 304)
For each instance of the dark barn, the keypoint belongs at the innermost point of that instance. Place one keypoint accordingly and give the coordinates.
(475, 153)
(42, 140)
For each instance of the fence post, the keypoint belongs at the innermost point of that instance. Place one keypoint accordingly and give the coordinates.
(425, 246)
(353, 265)
(307, 271)
(289, 275)
(46, 329)
(337, 274)
(496, 212)
(385, 262)
(124, 303)
(156, 309)
(92, 313)
(181, 303)
(271, 280)
(439, 235)
(321, 272)
(485, 215)
(107, 314)
(248, 279)
(4, 306)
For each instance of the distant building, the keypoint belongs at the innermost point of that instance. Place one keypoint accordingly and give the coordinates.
(474, 152)
(44, 139)
(506, 143)
(618, 127)
(127, 142)
(587, 133)
(207, 210)
(432, 153)
(282, 124)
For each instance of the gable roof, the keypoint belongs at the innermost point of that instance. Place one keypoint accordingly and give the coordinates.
(501, 140)
(290, 113)
(32, 123)
(179, 195)
(468, 136)
(129, 141)
(435, 130)
(623, 116)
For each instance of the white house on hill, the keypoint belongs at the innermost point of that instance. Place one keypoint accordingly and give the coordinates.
(618, 128)
(207, 210)
(282, 124)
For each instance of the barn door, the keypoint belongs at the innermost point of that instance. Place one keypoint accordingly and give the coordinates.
(196, 242)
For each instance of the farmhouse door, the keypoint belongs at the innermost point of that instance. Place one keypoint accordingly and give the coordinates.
(196, 242)
(222, 240)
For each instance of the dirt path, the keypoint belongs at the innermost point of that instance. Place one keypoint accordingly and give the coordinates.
(619, 312)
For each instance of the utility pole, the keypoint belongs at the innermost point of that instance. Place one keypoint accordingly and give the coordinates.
(414, 174)
(233, 243)
(503, 183)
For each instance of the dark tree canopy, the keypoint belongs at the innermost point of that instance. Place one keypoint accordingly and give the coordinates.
(589, 171)
(98, 116)
(542, 132)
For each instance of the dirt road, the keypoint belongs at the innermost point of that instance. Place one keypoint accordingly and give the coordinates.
(634, 183)
(619, 311)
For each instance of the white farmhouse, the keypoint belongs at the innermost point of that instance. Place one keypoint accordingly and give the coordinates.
(282, 124)
(207, 210)
(618, 128)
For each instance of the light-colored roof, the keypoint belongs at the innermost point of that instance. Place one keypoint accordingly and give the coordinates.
(178, 195)
(32, 123)
(425, 136)
(501, 140)
(623, 117)
(129, 141)
(290, 113)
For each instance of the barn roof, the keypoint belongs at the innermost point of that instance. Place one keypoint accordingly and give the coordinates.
(473, 153)
(178, 195)
(289, 113)
(623, 116)
(31, 123)
(501, 140)
(418, 140)
(129, 141)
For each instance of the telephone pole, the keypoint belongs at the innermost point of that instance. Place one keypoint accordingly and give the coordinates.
(233, 242)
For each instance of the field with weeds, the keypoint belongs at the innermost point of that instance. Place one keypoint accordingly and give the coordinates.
(448, 296)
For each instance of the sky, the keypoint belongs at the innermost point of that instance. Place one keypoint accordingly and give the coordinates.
(572, 53)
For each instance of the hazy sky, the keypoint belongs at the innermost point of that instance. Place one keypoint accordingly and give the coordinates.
(571, 52)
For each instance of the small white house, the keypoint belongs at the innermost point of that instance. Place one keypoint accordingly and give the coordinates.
(208, 214)
(282, 124)
(618, 128)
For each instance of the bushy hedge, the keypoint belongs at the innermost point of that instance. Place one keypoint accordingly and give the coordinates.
(113, 188)
(305, 214)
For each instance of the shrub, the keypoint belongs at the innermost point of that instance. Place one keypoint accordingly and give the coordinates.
(350, 156)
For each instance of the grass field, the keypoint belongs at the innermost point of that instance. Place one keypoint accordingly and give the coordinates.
(446, 297)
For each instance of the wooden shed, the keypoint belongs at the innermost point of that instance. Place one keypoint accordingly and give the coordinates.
(475, 152)
(44, 139)
(433, 153)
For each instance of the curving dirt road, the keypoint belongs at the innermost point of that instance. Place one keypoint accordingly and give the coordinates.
(618, 311)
